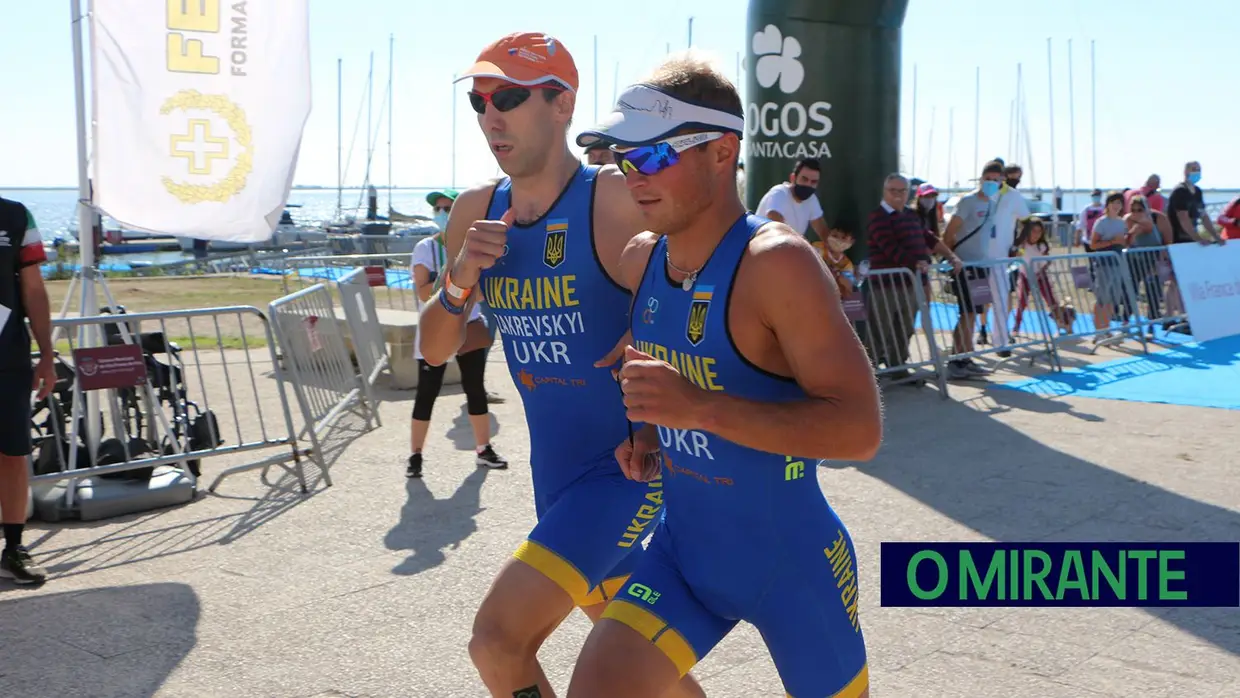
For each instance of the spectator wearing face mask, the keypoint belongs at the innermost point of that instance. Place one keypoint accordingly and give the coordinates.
(1011, 176)
(1085, 222)
(983, 229)
(795, 202)
(441, 205)
(1186, 209)
(929, 209)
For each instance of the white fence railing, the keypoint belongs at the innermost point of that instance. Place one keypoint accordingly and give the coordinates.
(140, 391)
(313, 351)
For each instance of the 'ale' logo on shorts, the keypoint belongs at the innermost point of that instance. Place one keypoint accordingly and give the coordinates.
(695, 331)
(553, 248)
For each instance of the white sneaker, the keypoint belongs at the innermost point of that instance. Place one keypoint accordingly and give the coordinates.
(488, 458)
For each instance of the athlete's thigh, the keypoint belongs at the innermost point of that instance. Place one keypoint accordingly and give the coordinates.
(810, 623)
(588, 537)
(522, 606)
(650, 635)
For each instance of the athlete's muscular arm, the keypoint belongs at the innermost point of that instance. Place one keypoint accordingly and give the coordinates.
(443, 332)
(622, 244)
(789, 321)
(797, 301)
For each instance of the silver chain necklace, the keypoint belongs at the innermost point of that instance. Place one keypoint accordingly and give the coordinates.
(690, 276)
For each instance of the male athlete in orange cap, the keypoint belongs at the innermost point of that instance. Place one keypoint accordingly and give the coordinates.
(543, 246)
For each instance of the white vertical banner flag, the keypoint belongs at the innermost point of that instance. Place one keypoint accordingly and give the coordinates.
(199, 107)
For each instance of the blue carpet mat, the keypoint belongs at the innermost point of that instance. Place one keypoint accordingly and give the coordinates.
(945, 317)
(1198, 374)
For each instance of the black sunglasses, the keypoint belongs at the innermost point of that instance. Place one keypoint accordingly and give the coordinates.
(505, 98)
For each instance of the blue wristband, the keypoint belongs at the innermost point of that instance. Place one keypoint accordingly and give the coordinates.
(443, 300)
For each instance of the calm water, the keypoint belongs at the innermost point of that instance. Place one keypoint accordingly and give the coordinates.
(56, 213)
(54, 210)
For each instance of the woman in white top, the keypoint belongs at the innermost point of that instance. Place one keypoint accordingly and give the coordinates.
(429, 263)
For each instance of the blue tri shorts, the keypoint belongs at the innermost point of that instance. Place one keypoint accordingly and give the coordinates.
(590, 531)
(806, 608)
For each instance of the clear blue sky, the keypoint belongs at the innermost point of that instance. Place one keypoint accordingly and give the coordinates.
(1167, 87)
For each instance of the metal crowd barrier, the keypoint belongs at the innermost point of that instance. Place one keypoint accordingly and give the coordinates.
(980, 296)
(166, 388)
(1157, 294)
(303, 271)
(914, 328)
(1094, 296)
(888, 312)
(314, 353)
(356, 290)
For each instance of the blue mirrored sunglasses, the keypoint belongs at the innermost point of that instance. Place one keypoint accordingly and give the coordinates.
(660, 155)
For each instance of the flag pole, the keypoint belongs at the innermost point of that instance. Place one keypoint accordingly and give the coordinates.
(87, 268)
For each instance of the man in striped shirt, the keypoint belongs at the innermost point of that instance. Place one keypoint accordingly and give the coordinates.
(897, 240)
(22, 297)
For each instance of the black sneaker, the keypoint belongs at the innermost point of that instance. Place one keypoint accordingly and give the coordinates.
(414, 469)
(494, 399)
(16, 564)
(488, 458)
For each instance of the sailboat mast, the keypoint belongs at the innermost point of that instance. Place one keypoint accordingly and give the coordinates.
(1050, 82)
(951, 148)
(913, 165)
(391, 98)
(930, 145)
(1071, 118)
(370, 108)
(977, 118)
(1093, 109)
(339, 138)
(1016, 110)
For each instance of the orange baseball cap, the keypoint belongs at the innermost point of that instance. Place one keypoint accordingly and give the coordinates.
(526, 58)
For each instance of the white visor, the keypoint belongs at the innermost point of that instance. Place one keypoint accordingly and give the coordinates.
(645, 114)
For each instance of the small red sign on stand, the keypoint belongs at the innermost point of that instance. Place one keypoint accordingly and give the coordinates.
(854, 309)
(376, 276)
(101, 368)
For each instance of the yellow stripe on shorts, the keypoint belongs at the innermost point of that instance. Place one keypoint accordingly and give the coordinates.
(557, 569)
(652, 627)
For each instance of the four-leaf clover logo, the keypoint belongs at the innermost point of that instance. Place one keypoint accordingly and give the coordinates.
(777, 60)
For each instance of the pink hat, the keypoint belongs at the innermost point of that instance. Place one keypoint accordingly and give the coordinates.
(927, 189)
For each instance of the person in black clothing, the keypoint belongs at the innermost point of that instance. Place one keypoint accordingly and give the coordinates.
(22, 297)
(1186, 207)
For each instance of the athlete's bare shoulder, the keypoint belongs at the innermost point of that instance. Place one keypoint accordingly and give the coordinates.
(776, 242)
(778, 257)
(475, 199)
(635, 259)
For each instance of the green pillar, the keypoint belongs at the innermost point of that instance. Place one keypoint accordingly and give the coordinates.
(824, 81)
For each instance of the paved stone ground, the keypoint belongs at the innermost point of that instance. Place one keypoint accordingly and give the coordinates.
(367, 588)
